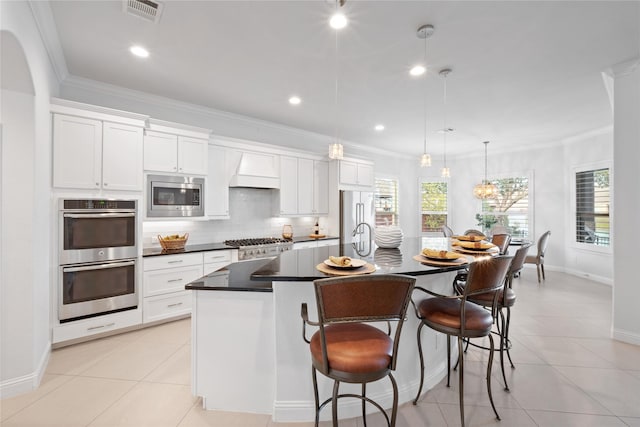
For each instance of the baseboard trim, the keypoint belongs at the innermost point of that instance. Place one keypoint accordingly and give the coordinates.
(26, 383)
(304, 410)
(600, 279)
(626, 336)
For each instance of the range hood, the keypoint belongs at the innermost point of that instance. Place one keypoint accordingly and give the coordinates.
(257, 170)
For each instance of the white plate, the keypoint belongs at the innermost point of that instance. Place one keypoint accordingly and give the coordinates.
(355, 263)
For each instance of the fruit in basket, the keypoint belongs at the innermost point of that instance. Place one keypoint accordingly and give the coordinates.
(174, 237)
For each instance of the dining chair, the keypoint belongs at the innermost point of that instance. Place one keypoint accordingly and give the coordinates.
(447, 231)
(506, 300)
(502, 242)
(473, 232)
(346, 348)
(456, 315)
(538, 258)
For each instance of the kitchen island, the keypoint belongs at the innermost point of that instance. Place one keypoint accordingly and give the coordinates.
(248, 354)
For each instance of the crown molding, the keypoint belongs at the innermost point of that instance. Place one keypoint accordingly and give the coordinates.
(135, 95)
(624, 68)
(43, 17)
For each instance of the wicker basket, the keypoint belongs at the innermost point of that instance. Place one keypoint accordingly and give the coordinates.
(173, 244)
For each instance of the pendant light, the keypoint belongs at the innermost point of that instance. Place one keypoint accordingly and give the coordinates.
(336, 150)
(446, 173)
(485, 190)
(424, 32)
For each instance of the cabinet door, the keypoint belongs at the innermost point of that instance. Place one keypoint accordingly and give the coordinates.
(365, 175)
(348, 172)
(320, 187)
(216, 202)
(192, 155)
(160, 152)
(121, 157)
(305, 186)
(288, 185)
(77, 152)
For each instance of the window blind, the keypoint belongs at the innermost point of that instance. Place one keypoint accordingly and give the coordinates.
(386, 201)
(434, 205)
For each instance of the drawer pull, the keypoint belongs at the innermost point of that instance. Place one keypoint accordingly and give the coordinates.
(101, 326)
(174, 280)
(175, 304)
(176, 261)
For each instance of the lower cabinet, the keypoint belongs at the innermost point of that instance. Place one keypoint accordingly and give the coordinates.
(164, 279)
(315, 243)
(86, 328)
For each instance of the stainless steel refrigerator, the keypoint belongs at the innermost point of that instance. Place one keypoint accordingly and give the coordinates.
(357, 219)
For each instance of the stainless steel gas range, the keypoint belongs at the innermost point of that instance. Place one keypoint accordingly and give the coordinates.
(266, 247)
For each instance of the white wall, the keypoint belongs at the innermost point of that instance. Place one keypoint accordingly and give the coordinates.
(626, 148)
(25, 280)
(591, 261)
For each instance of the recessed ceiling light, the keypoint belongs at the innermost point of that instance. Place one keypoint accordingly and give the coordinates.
(294, 100)
(139, 51)
(379, 128)
(338, 21)
(418, 70)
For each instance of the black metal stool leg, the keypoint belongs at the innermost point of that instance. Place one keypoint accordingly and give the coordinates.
(394, 411)
(502, 345)
(449, 357)
(460, 379)
(489, 376)
(315, 394)
(364, 402)
(507, 343)
(334, 403)
(415, 401)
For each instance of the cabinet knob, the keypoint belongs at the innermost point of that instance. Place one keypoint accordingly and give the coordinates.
(97, 184)
(175, 168)
(105, 184)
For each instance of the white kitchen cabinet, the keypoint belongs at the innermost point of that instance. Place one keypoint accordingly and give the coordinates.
(164, 279)
(304, 186)
(217, 185)
(93, 154)
(358, 174)
(174, 153)
(215, 260)
(315, 243)
(85, 328)
(172, 147)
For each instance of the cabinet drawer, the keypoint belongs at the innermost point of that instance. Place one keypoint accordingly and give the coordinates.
(96, 325)
(157, 282)
(166, 306)
(171, 261)
(217, 256)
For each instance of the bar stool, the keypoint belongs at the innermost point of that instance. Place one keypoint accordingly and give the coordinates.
(455, 315)
(506, 300)
(346, 348)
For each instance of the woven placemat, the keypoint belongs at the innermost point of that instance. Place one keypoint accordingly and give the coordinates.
(365, 269)
(423, 260)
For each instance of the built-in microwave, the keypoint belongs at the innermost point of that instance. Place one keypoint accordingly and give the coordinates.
(175, 196)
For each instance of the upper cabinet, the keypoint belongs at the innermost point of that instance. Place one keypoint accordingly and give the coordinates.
(304, 186)
(217, 185)
(170, 147)
(355, 174)
(95, 149)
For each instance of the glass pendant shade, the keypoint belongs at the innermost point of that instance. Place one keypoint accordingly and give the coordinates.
(446, 173)
(425, 160)
(336, 151)
(484, 191)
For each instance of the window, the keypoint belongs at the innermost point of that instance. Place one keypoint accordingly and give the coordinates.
(386, 201)
(433, 205)
(592, 207)
(510, 209)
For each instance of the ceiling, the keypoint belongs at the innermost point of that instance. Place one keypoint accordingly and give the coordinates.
(523, 72)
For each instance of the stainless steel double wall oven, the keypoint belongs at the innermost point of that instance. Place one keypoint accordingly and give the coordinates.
(98, 257)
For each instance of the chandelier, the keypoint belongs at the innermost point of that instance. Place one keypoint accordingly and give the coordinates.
(485, 190)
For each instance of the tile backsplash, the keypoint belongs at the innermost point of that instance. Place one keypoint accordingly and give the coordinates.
(252, 215)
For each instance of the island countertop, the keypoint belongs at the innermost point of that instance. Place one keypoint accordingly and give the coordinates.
(300, 265)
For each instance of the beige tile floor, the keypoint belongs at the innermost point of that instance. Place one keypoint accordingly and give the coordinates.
(568, 373)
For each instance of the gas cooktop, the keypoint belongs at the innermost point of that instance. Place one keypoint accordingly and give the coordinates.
(263, 247)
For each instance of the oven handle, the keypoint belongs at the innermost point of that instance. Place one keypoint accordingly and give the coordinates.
(101, 215)
(98, 266)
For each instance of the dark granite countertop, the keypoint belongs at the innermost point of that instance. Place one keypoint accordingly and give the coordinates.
(300, 265)
(217, 246)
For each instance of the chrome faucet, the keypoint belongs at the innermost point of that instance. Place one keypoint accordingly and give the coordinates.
(360, 247)
(355, 230)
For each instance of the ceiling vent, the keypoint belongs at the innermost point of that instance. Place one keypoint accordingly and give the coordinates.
(146, 9)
